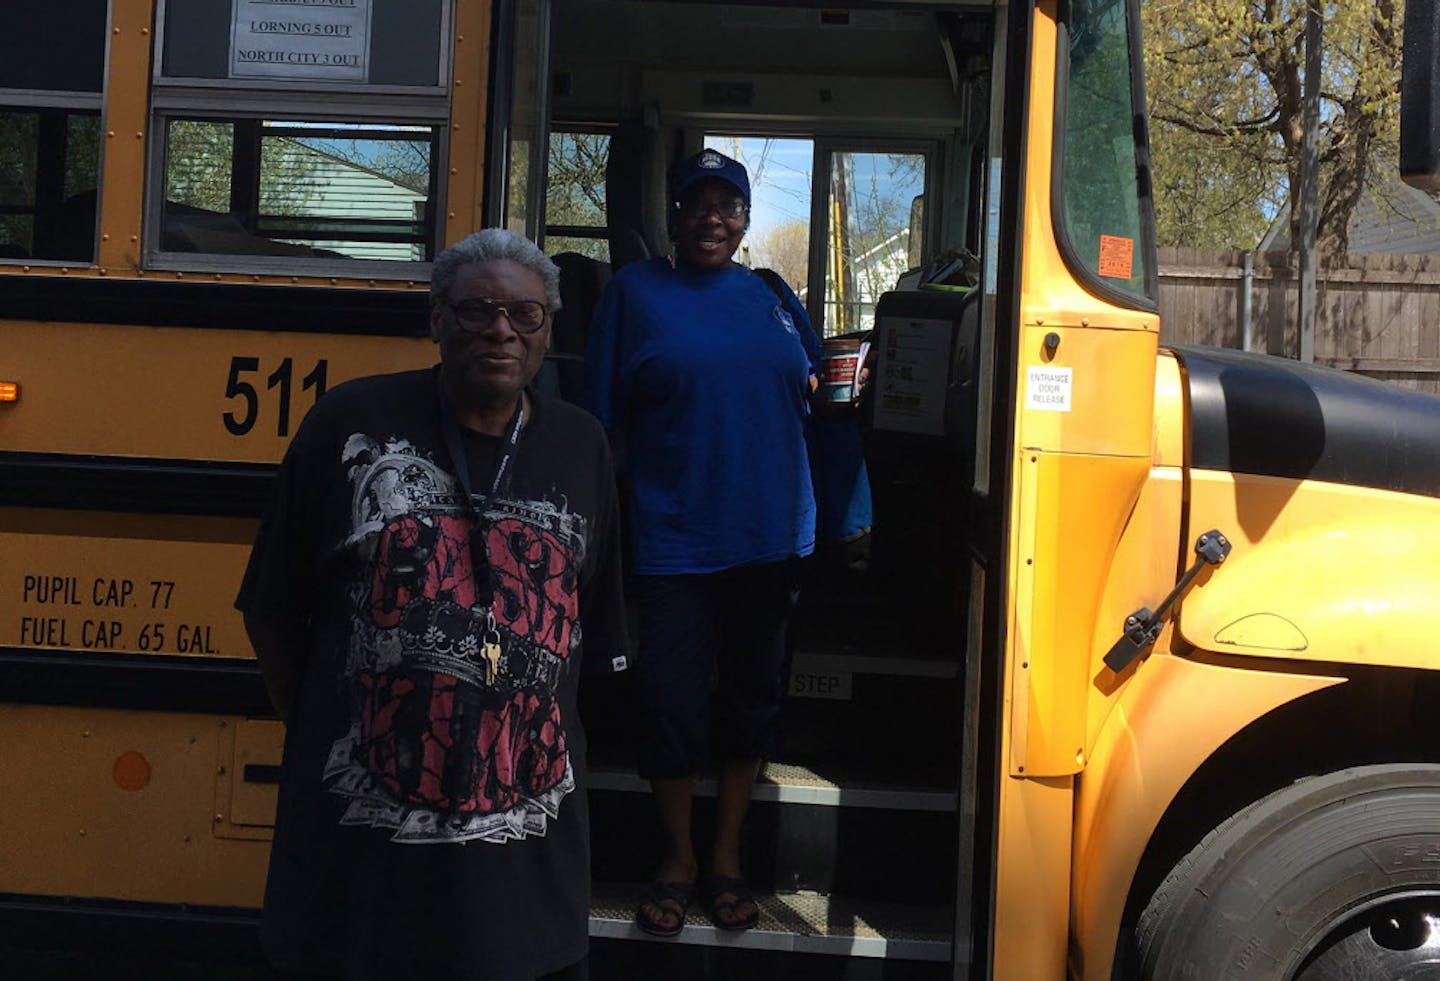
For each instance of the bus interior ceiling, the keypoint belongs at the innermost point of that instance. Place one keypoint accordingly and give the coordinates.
(891, 74)
(878, 639)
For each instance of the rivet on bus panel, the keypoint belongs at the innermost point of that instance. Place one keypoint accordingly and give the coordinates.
(458, 83)
(134, 238)
(105, 237)
(1079, 757)
(110, 134)
(24, 268)
(452, 214)
(217, 277)
(1039, 321)
(179, 275)
(1084, 321)
(9, 391)
(64, 270)
(144, 30)
(104, 271)
(139, 134)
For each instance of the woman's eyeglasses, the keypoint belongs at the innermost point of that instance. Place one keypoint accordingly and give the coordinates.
(476, 314)
(729, 208)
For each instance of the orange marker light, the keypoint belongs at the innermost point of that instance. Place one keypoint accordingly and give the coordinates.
(9, 391)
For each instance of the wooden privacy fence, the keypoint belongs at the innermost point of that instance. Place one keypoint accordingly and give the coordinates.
(1378, 315)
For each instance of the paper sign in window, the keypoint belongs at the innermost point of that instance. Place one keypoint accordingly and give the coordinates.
(325, 40)
(1117, 256)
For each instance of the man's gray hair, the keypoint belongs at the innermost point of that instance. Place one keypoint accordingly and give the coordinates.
(487, 245)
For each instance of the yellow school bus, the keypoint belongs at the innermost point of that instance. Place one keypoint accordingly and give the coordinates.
(1139, 681)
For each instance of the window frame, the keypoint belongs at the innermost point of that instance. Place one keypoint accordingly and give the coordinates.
(306, 101)
(932, 149)
(154, 257)
(232, 86)
(1112, 292)
(599, 233)
(67, 102)
(70, 100)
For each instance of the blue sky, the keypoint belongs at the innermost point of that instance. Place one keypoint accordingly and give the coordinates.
(779, 177)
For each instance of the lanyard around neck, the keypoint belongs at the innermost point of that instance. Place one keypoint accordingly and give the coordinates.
(460, 460)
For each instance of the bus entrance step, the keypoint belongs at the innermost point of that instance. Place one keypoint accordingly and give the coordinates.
(830, 786)
(799, 923)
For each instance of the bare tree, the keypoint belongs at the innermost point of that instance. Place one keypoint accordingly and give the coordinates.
(785, 248)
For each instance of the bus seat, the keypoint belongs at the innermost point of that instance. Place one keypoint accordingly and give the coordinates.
(626, 246)
(635, 195)
(72, 237)
(582, 280)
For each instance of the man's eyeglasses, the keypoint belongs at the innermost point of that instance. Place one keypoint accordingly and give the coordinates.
(729, 208)
(478, 313)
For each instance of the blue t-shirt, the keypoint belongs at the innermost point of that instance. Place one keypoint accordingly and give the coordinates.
(707, 374)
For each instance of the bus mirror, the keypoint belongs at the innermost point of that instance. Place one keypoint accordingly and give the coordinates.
(1420, 97)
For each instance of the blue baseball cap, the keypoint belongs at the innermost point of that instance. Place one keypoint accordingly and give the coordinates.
(706, 164)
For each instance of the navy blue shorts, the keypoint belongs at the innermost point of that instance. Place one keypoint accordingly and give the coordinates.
(732, 625)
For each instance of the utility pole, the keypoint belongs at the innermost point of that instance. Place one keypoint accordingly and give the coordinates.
(1309, 178)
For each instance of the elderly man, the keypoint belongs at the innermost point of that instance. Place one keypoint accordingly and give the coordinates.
(439, 545)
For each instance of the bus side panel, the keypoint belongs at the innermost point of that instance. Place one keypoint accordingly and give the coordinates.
(1171, 717)
(179, 392)
(129, 805)
(136, 584)
(1280, 594)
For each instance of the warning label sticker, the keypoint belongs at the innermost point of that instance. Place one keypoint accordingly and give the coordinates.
(1117, 256)
(1048, 389)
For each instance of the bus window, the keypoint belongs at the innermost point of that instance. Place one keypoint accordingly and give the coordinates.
(340, 191)
(520, 121)
(779, 234)
(312, 133)
(876, 198)
(1103, 191)
(52, 69)
(575, 214)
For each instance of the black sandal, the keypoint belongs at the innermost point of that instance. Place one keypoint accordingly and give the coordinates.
(717, 886)
(669, 899)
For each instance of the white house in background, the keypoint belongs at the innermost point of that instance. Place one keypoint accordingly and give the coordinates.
(873, 272)
(1395, 219)
(322, 186)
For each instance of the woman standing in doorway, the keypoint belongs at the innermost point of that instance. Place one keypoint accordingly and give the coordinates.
(705, 372)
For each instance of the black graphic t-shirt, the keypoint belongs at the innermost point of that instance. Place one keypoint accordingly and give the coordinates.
(428, 823)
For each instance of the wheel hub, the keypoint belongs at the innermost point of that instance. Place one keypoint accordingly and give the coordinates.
(1398, 941)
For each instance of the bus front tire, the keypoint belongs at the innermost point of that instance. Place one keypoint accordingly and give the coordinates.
(1335, 876)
